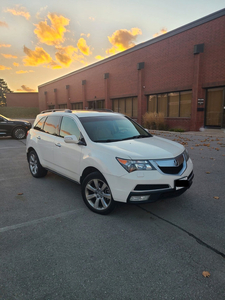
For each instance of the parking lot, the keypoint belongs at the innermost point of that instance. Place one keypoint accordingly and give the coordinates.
(54, 247)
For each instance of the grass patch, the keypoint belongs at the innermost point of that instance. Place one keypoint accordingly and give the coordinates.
(19, 112)
(177, 130)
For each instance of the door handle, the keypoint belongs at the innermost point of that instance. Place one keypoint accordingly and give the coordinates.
(58, 145)
(38, 137)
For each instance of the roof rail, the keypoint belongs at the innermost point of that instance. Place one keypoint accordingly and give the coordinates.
(100, 109)
(55, 110)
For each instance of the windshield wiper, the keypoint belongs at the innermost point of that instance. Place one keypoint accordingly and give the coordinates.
(140, 136)
(106, 141)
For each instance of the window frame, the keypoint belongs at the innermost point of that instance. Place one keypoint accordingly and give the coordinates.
(125, 105)
(167, 96)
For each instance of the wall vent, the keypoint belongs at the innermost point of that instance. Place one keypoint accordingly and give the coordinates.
(140, 65)
(198, 48)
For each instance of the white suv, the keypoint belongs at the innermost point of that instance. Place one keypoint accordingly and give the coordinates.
(110, 155)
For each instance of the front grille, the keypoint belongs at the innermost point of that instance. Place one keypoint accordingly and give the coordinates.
(171, 170)
(149, 187)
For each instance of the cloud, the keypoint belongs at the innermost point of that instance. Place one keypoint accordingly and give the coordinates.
(54, 65)
(123, 39)
(42, 9)
(9, 55)
(16, 64)
(23, 72)
(66, 55)
(99, 57)
(19, 11)
(87, 35)
(4, 68)
(25, 89)
(5, 45)
(52, 34)
(83, 47)
(162, 31)
(37, 57)
(3, 24)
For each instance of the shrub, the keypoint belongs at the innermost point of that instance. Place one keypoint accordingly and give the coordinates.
(154, 121)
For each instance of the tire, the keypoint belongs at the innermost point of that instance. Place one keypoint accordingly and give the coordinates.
(35, 167)
(97, 194)
(19, 133)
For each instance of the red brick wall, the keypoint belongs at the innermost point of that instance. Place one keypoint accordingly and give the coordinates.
(22, 100)
(170, 65)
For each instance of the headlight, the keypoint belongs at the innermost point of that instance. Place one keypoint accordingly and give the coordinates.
(186, 155)
(135, 165)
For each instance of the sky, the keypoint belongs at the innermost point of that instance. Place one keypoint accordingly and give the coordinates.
(45, 39)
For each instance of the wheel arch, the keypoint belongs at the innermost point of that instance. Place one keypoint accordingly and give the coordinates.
(28, 151)
(88, 171)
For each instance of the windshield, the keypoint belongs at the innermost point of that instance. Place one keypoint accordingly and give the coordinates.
(112, 128)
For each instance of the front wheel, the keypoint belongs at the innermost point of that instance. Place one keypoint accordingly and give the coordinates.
(36, 168)
(97, 194)
(19, 133)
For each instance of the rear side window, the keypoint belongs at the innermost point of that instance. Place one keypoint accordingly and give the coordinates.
(51, 125)
(69, 127)
(40, 124)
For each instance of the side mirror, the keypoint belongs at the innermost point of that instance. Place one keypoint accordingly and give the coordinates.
(72, 139)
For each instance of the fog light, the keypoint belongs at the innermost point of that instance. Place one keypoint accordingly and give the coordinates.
(139, 198)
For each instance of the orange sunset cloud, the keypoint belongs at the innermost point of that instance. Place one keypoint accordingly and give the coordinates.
(19, 11)
(5, 45)
(52, 34)
(3, 24)
(162, 31)
(25, 89)
(37, 57)
(83, 47)
(123, 39)
(9, 56)
(64, 55)
(4, 68)
(23, 72)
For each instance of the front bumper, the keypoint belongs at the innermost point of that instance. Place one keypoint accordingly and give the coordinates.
(153, 183)
(180, 186)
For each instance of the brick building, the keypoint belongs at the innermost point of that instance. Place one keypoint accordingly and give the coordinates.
(180, 74)
(21, 99)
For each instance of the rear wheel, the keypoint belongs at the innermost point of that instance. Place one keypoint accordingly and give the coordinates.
(97, 194)
(36, 168)
(19, 133)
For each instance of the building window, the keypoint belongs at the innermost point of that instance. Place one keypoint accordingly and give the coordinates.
(126, 106)
(51, 106)
(172, 105)
(78, 105)
(173, 101)
(62, 106)
(185, 104)
(97, 104)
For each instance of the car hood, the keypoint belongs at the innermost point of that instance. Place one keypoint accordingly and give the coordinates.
(18, 120)
(145, 148)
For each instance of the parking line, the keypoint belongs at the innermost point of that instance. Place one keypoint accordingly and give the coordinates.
(38, 221)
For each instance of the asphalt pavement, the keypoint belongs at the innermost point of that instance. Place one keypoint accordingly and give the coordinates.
(53, 247)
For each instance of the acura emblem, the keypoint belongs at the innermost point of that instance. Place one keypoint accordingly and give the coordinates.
(176, 163)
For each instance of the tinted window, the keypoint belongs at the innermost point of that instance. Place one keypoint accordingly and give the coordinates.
(40, 124)
(69, 127)
(51, 125)
(112, 128)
